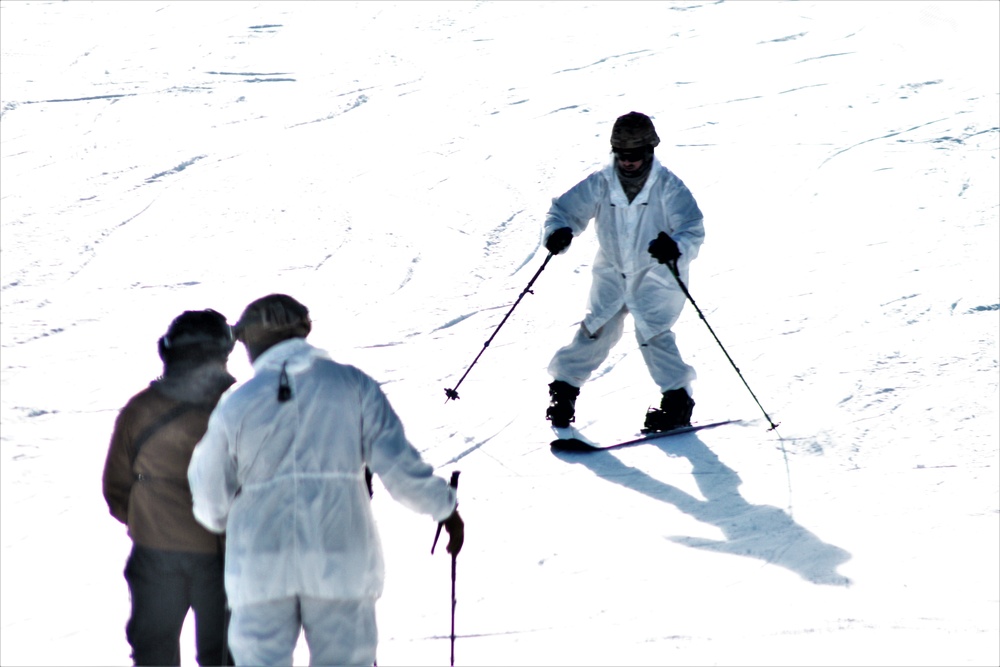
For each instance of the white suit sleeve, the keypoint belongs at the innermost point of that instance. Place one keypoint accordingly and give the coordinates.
(212, 476)
(686, 219)
(576, 207)
(406, 476)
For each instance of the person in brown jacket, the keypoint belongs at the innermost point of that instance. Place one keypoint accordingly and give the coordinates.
(175, 564)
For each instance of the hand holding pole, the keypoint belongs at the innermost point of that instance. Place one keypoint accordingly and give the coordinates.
(454, 561)
(453, 483)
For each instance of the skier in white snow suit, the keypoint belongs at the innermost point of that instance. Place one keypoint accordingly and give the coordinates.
(175, 564)
(282, 471)
(646, 221)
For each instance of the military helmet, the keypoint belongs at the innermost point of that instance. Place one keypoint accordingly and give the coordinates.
(633, 130)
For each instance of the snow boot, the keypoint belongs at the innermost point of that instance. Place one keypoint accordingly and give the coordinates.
(562, 408)
(675, 411)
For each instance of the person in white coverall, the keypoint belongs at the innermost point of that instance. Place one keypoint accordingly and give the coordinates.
(281, 469)
(647, 223)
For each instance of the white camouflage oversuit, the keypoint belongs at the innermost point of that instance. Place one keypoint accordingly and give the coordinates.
(626, 278)
(285, 481)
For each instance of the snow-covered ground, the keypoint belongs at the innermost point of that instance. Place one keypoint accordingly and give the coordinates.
(389, 164)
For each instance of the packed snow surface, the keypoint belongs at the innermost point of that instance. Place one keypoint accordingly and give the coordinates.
(390, 165)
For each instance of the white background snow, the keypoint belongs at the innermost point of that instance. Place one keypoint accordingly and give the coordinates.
(389, 165)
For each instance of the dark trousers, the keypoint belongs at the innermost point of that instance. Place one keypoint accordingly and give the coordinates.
(164, 585)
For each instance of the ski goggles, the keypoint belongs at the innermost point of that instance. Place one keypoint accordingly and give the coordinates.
(631, 156)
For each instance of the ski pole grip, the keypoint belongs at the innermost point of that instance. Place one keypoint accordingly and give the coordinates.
(453, 483)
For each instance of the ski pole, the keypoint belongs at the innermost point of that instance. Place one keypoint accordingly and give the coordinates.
(672, 265)
(454, 562)
(453, 393)
(221, 551)
(788, 472)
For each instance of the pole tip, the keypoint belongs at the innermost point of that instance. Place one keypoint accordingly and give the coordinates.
(451, 394)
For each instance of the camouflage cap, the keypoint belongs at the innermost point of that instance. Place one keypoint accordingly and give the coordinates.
(274, 314)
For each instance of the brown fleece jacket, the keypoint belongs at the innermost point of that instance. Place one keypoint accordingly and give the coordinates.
(149, 492)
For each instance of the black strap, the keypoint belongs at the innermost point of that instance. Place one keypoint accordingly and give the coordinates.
(164, 419)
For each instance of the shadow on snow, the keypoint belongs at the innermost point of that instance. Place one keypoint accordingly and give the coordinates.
(756, 531)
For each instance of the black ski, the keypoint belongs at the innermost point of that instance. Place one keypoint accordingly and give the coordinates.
(571, 440)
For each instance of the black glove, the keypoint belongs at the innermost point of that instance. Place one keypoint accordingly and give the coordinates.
(664, 249)
(559, 240)
(456, 532)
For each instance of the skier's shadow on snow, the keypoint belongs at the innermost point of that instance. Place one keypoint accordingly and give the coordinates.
(756, 531)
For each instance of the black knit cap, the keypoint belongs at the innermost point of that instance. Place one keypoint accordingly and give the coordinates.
(196, 333)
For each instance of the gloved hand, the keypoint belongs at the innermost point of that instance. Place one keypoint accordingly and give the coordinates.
(664, 249)
(559, 240)
(456, 532)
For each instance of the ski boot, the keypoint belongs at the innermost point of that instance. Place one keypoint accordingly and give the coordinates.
(562, 408)
(675, 411)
